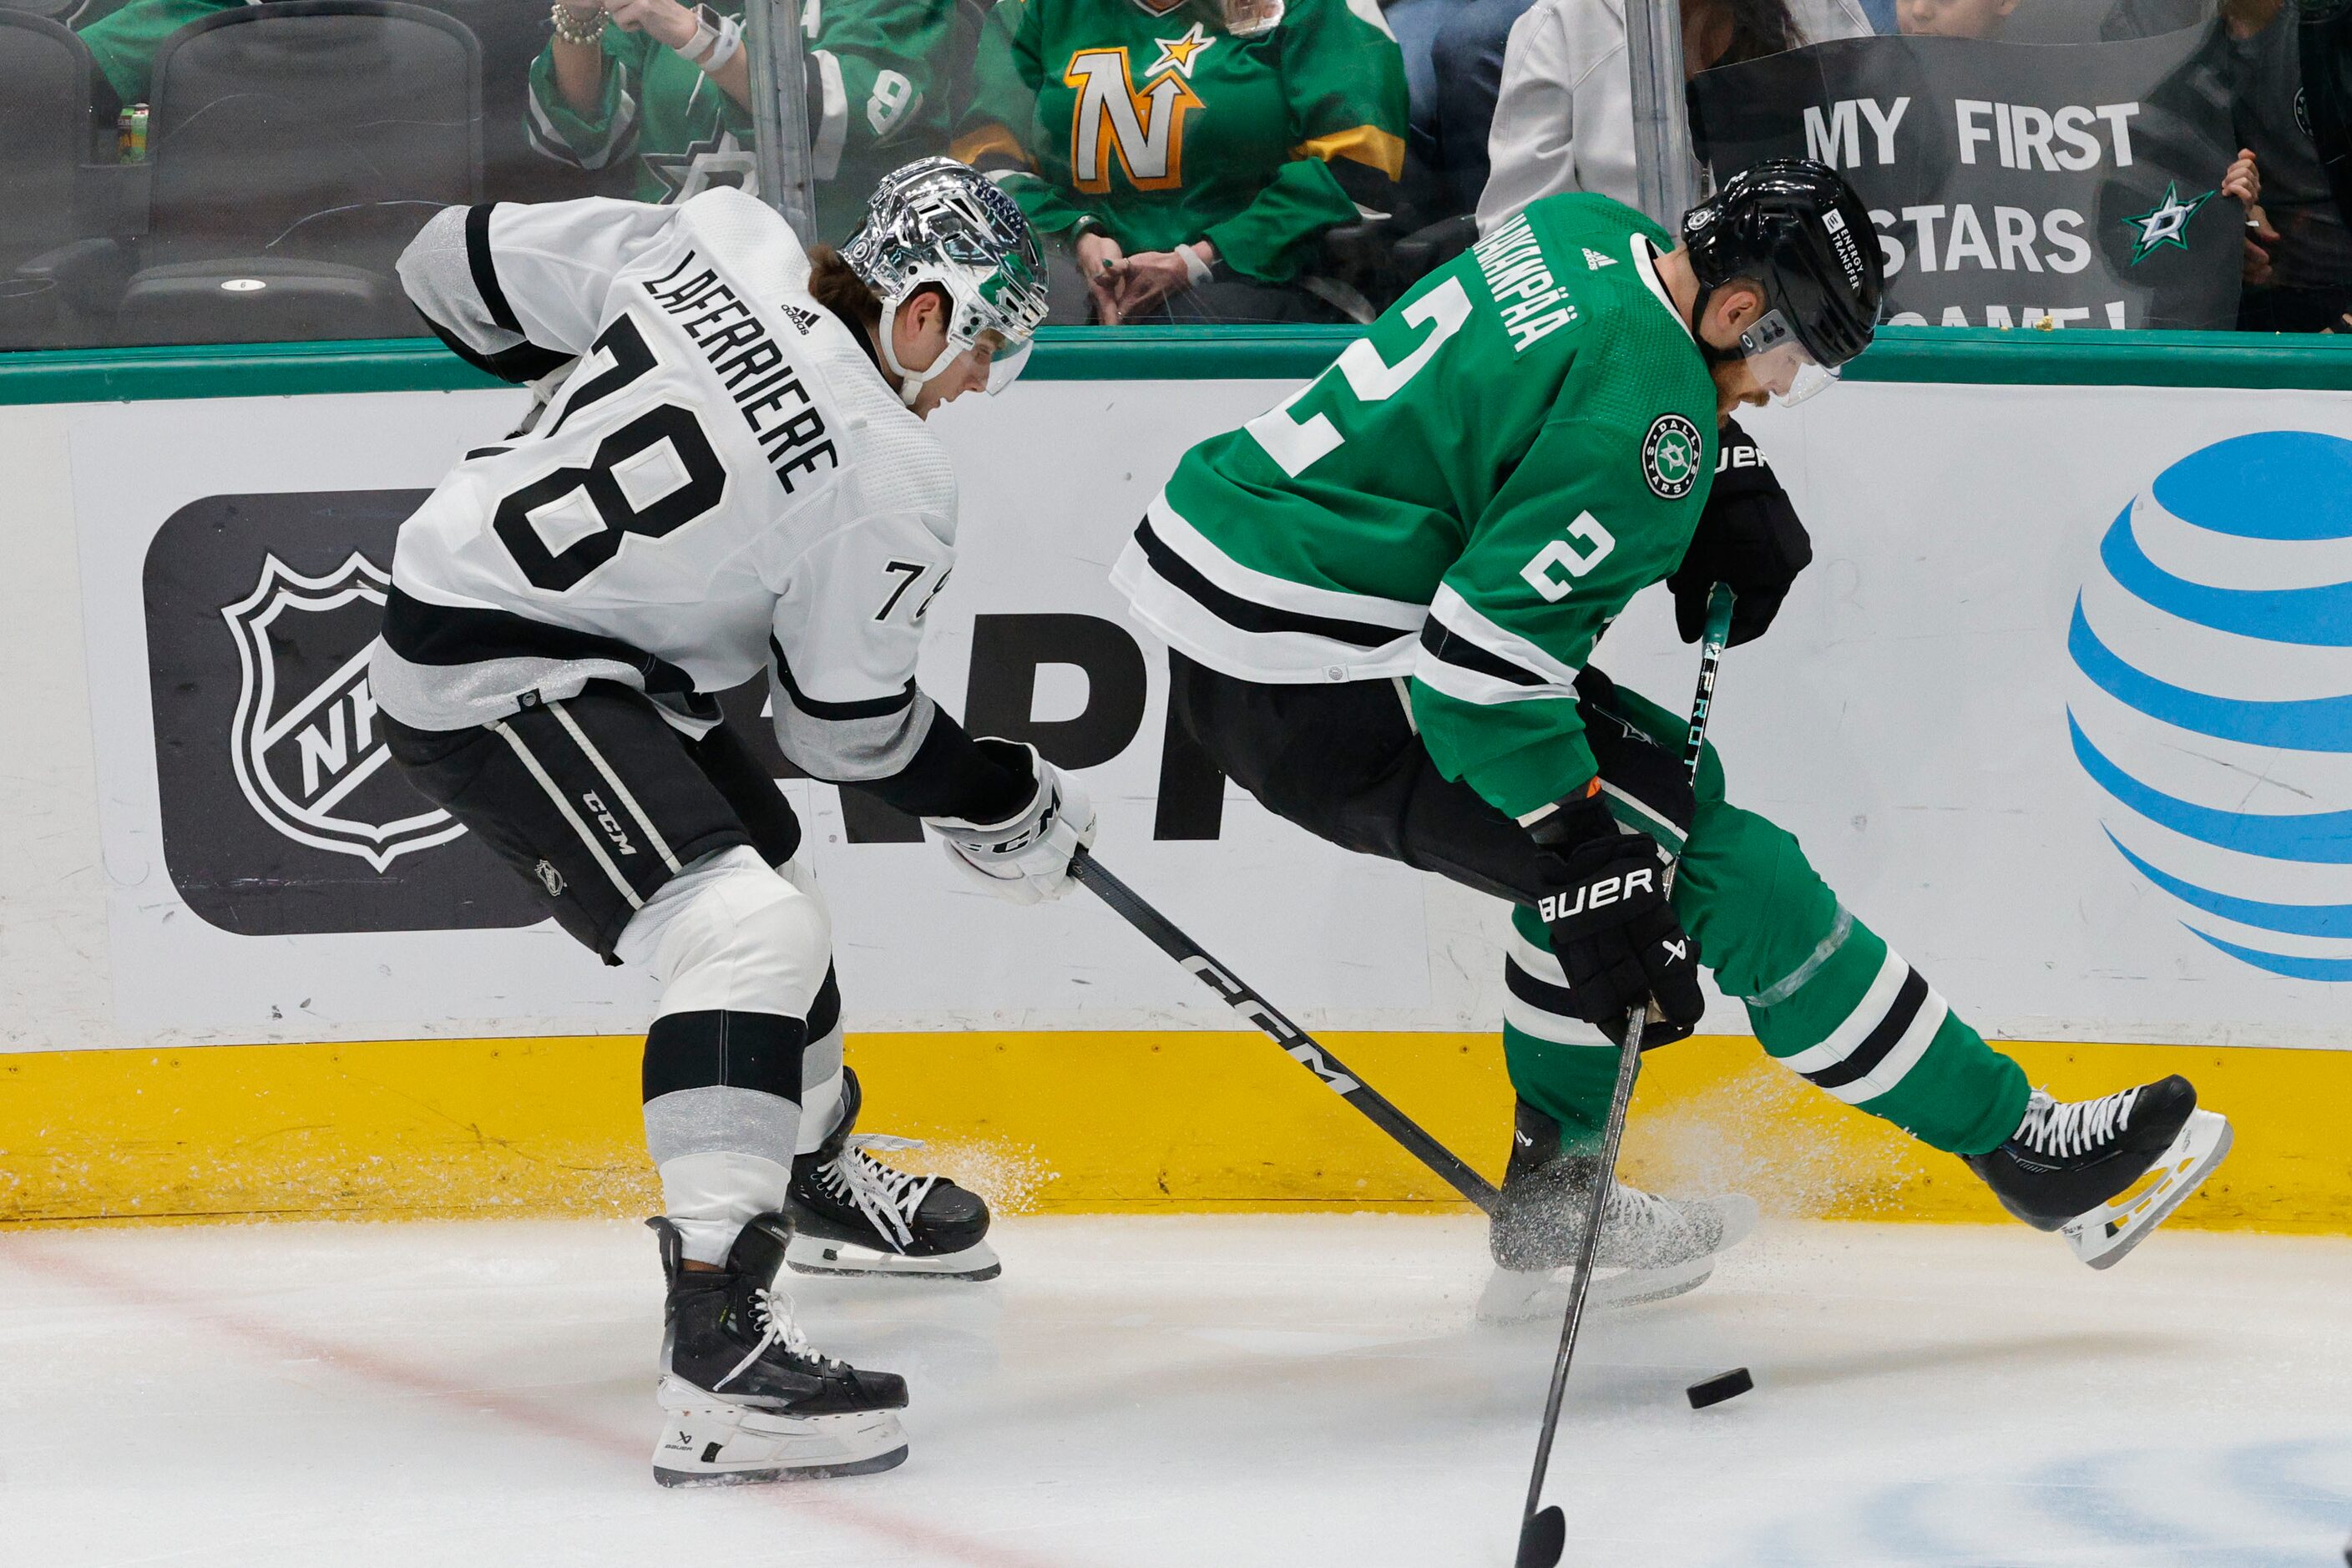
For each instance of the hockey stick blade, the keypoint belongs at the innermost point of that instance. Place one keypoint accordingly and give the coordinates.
(1542, 1538)
(1297, 1042)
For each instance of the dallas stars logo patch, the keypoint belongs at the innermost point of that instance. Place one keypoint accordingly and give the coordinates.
(2167, 222)
(1670, 456)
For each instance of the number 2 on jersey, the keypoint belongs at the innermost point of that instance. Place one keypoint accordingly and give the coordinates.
(1298, 444)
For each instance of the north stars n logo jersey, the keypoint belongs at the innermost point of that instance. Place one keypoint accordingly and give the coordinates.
(1142, 128)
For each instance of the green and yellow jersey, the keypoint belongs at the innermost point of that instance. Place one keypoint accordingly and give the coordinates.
(1465, 498)
(1162, 127)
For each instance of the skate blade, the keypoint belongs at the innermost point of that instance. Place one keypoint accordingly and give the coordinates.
(1512, 1296)
(2106, 1234)
(847, 1259)
(711, 1443)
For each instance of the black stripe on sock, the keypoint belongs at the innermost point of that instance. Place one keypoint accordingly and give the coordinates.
(485, 269)
(1557, 1000)
(722, 1050)
(825, 1013)
(1453, 648)
(1879, 1040)
(1248, 614)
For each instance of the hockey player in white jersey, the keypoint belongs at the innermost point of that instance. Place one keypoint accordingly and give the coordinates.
(729, 473)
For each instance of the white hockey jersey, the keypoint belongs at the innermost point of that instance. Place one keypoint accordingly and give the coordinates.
(724, 483)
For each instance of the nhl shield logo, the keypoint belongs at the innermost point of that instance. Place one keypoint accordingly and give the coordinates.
(305, 743)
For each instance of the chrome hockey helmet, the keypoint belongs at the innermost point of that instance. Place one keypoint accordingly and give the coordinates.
(936, 221)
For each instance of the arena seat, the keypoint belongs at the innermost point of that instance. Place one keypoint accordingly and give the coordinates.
(296, 145)
(45, 138)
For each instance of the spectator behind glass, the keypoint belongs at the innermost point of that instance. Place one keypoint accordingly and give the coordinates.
(1564, 120)
(1952, 18)
(2299, 255)
(124, 43)
(1562, 66)
(671, 85)
(1189, 155)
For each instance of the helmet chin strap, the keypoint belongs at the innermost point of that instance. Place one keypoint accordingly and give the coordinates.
(910, 382)
(1707, 350)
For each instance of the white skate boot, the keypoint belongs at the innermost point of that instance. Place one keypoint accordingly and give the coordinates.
(1650, 1248)
(747, 1400)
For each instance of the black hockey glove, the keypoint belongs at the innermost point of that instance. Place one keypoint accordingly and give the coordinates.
(1748, 537)
(1616, 935)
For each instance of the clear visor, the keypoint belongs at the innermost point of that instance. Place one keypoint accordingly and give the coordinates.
(1004, 357)
(1782, 366)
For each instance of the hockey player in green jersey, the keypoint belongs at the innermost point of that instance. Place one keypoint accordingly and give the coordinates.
(1380, 597)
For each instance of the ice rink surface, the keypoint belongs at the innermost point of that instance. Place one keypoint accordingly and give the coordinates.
(1179, 1394)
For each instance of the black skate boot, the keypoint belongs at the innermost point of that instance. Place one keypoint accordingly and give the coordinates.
(2070, 1162)
(854, 1215)
(748, 1399)
(1657, 1246)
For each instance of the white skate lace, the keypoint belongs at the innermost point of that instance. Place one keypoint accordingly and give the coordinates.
(888, 1199)
(2064, 1127)
(773, 1309)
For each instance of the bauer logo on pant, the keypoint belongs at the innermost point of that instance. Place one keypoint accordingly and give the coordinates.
(309, 754)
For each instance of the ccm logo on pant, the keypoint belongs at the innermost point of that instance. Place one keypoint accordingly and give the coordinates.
(1607, 890)
(608, 822)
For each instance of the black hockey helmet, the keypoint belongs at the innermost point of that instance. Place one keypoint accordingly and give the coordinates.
(1795, 227)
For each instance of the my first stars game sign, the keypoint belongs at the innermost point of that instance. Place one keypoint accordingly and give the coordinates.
(2012, 184)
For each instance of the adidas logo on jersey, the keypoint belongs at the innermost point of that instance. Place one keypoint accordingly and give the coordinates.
(1594, 261)
(802, 321)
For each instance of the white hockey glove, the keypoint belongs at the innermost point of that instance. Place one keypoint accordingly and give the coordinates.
(1027, 857)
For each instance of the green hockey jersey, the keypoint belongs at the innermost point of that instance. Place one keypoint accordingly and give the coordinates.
(876, 100)
(124, 42)
(1166, 130)
(1467, 498)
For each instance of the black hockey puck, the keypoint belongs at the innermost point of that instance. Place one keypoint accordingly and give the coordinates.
(1715, 1390)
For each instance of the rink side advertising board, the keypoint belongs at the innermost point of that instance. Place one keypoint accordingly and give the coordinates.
(2011, 183)
(2061, 708)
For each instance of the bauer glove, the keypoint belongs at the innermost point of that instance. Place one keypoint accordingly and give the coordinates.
(1748, 537)
(1025, 857)
(1617, 938)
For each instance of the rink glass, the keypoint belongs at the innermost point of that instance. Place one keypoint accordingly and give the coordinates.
(182, 172)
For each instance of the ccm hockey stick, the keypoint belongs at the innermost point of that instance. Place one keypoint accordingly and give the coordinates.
(1296, 1042)
(1543, 1531)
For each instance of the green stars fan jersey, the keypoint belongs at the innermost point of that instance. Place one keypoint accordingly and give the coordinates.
(1165, 129)
(877, 97)
(1467, 498)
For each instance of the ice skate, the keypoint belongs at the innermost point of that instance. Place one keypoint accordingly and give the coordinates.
(747, 1400)
(2105, 1171)
(1650, 1248)
(854, 1215)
